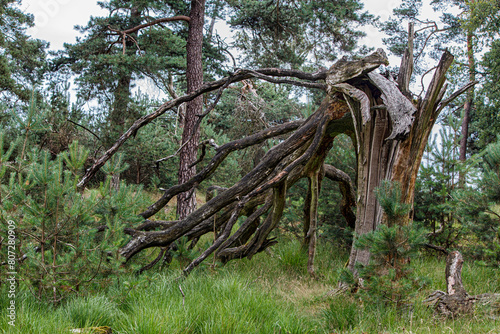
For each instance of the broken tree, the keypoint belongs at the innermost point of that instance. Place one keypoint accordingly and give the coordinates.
(389, 128)
(456, 301)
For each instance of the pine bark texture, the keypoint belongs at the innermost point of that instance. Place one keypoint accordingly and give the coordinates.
(186, 201)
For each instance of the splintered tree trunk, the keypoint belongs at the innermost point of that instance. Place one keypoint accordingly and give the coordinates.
(391, 133)
(186, 202)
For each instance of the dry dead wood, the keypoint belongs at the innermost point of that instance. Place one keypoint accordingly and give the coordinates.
(456, 301)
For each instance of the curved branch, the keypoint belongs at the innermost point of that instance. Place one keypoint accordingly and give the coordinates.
(83, 127)
(155, 261)
(208, 87)
(347, 190)
(158, 21)
(142, 240)
(272, 220)
(222, 237)
(225, 251)
(221, 154)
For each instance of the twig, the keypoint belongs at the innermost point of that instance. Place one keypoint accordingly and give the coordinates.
(183, 297)
(211, 142)
(83, 127)
(155, 261)
(422, 80)
(438, 248)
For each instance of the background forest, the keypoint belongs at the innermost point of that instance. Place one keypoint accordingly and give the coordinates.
(60, 111)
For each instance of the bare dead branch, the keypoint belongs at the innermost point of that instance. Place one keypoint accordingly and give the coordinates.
(437, 248)
(437, 82)
(347, 190)
(155, 22)
(456, 94)
(154, 262)
(221, 154)
(208, 87)
(85, 128)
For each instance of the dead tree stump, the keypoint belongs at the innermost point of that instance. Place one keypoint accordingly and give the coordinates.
(455, 301)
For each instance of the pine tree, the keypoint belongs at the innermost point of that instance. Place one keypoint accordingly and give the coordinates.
(67, 242)
(293, 34)
(437, 181)
(22, 59)
(477, 206)
(113, 55)
(388, 278)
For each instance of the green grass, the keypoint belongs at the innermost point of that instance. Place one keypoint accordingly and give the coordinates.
(271, 293)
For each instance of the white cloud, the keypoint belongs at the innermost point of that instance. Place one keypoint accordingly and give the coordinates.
(55, 19)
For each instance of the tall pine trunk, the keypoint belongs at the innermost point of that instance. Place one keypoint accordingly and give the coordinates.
(186, 202)
(120, 116)
(469, 100)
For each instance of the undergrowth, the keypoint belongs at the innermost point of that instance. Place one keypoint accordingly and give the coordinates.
(271, 293)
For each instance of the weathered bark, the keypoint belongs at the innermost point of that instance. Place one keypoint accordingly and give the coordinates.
(469, 101)
(391, 135)
(348, 193)
(314, 186)
(301, 155)
(186, 201)
(406, 68)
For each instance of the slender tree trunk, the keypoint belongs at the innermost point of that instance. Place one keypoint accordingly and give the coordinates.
(120, 115)
(186, 202)
(314, 186)
(469, 101)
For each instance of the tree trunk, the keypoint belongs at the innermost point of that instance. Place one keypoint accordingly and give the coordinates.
(314, 186)
(456, 301)
(186, 202)
(469, 101)
(391, 134)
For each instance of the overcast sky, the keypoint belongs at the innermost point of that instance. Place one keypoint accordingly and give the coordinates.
(55, 19)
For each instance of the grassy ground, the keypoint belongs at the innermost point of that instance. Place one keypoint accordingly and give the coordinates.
(272, 293)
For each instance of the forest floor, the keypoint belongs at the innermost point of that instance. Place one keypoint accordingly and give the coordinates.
(271, 293)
